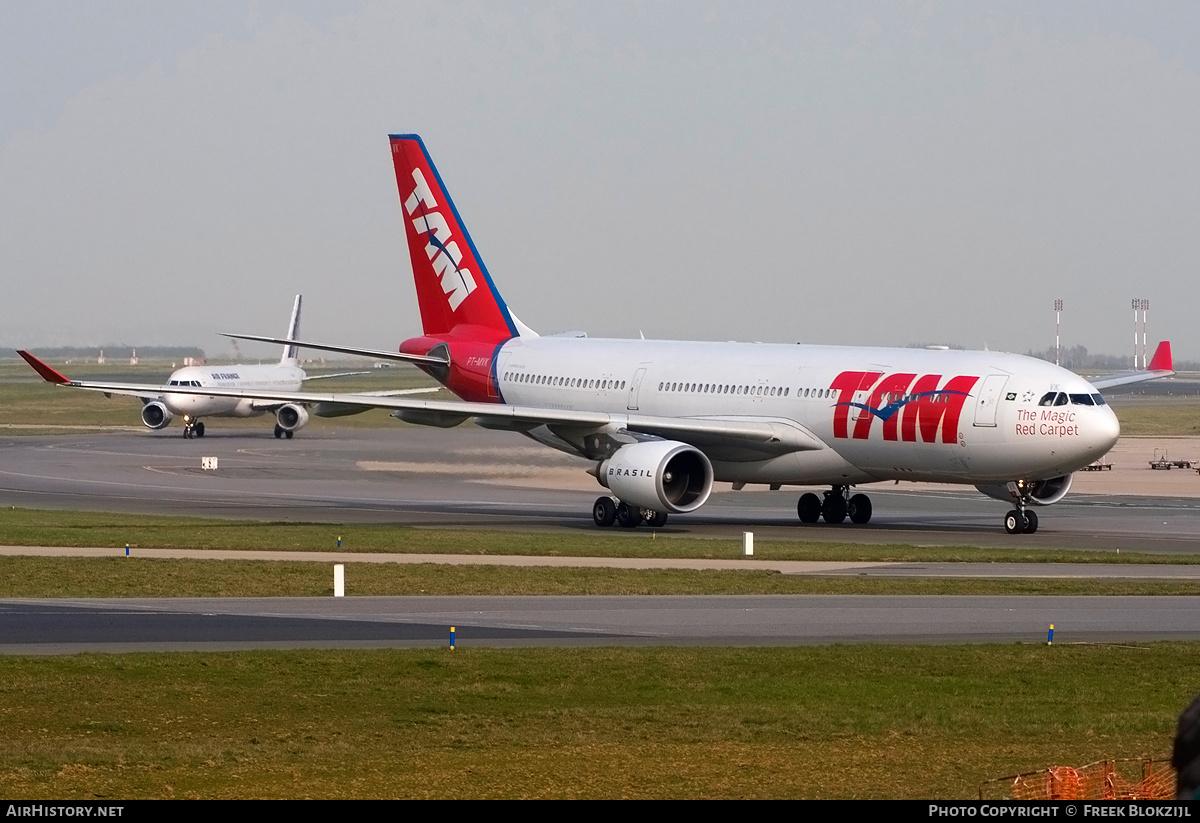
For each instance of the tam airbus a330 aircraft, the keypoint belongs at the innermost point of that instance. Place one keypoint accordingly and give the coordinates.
(659, 422)
(162, 403)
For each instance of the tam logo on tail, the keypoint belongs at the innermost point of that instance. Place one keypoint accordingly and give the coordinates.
(443, 252)
(454, 289)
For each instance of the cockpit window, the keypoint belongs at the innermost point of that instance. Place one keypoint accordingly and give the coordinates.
(1047, 399)
(1098, 399)
(1082, 400)
(1060, 399)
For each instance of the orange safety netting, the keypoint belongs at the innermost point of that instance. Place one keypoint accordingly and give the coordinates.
(1143, 779)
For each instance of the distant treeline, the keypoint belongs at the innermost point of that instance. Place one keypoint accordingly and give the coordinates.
(114, 352)
(1079, 358)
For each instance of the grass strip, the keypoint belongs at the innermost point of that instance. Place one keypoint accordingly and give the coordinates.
(35, 577)
(810, 722)
(31, 527)
(1178, 417)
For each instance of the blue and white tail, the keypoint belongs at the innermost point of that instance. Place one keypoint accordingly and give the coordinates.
(291, 354)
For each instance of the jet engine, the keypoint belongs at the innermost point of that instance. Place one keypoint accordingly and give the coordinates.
(1042, 492)
(291, 417)
(156, 415)
(663, 475)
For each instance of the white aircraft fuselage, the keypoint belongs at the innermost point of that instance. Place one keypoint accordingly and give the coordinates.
(992, 432)
(264, 377)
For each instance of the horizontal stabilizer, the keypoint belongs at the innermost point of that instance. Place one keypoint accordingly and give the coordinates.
(377, 354)
(1161, 365)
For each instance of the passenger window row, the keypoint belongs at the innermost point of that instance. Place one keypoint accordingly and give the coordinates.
(565, 382)
(723, 388)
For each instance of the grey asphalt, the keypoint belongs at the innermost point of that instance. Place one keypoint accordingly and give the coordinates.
(475, 478)
(67, 626)
(484, 479)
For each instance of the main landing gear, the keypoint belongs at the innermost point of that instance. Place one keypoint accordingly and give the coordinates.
(280, 431)
(606, 511)
(192, 428)
(835, 508)
(1021, 520)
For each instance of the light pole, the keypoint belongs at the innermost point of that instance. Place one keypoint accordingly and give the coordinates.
(1145, 308)
(1058, 307)
(1136, 305)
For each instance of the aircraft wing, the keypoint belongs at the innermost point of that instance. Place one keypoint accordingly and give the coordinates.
(148, 390)
(1160, 366)
(143, 391)
(763, 436)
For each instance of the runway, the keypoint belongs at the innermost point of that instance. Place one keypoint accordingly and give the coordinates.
(468, 477)
(210, 624)
(478, 479)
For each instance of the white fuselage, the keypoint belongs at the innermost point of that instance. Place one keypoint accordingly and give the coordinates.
(933, 415)
(266, 377)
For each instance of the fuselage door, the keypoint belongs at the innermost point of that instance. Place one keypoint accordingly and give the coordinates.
(989, 399)
(635, 386)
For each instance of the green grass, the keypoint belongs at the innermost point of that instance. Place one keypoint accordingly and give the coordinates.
(29, 577)
(823, 722)
(1162, 417)
(31, 527)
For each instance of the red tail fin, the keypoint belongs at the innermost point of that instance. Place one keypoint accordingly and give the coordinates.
(453, 286)
(1161, 361)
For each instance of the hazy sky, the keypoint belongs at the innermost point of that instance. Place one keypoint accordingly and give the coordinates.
(834, 172)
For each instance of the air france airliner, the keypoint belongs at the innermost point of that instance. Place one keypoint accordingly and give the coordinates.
(659, 422)
(162, 403)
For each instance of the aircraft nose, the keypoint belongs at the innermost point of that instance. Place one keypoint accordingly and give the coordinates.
(1102, 431)
(179, 403)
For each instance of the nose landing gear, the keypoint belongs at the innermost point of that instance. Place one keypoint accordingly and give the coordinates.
(1021, 520)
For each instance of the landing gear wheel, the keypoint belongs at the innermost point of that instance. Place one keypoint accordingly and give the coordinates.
(199, 429)
(1031, 522)
(278, 431)
(288, 434)
(604, 512)
(859, 509)
(628, 516)
(657, 520)
(833, 510)
(809, 508)
(1014, 522)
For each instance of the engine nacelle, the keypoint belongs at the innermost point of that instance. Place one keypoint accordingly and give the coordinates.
(663, 475)
(291, 417)
(1042, 492)
(156, 415)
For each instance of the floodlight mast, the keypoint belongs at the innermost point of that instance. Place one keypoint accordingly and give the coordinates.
(1058, 307)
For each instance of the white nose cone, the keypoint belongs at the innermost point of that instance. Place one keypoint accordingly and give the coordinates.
(1100, 433)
